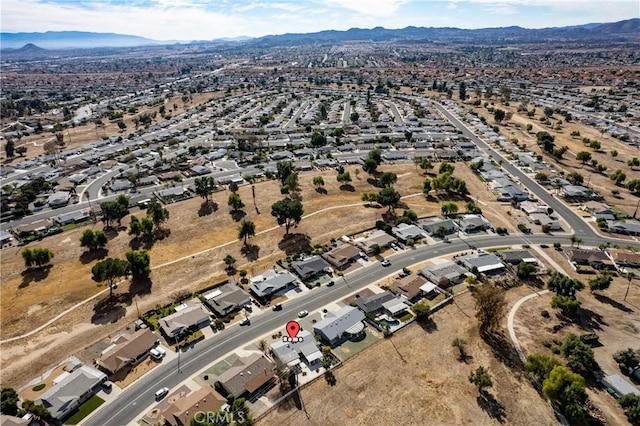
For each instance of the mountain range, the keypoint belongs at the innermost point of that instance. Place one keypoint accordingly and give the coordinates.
(628, 30)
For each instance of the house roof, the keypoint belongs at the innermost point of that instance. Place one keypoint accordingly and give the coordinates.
(408, 286)
(407, 232)
(249, 374)
(225, 297)
(394, 306)
(483, 261)
(374, 302)
(184, 408)
(448, 270)
(310, 267)
(335, 324)
(271, 283)
(341, 255)
(184, 318)
(516, 256)
(13, 421)
(378, 238)
(620, 384)
(61, 397)
(625, 258)
(431, 226)
(290, 351)
(590, 256)
(127, 348)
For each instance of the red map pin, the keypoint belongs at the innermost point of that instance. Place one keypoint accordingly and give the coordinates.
(292, 329)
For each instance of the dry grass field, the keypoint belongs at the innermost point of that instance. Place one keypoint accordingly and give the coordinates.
(415, 378)
(30, 300)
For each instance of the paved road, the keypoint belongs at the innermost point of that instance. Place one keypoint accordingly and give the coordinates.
(139, 395)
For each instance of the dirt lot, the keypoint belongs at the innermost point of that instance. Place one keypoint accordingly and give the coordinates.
(33, 299)
(411, 385)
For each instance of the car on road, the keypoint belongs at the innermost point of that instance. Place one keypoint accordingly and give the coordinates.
(330, 283)
(385, 263)
(245, 321)
(277, 307)
(161, 393)
(303, 314)
(157, 353)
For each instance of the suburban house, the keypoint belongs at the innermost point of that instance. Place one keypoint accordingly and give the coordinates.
(575, 191)
(373, 304)
(406, 232)
(377, 238)
(514, 257)
(342, 256)
(485, 263)
(290, 354)
(271, 282)
(473, 223)
(196, 315)
(127, 349)
(311, 267)
(530, 207)
(445, 274)
(545, 221)
(627, 227)
(58, 199)
(70, 390)
(625, 258)
(71, 217)
(6, 420)
(341, 325)
(439, 226)
(410, 287)
(226, 299)
(247, 376)
(597, 259)
(183, 408)
(596, 208)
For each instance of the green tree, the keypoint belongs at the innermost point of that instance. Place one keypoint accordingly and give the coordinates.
(369, 166)
(498, 115)
(318, 181)
(421, 311)
(490, 307)
(567, 304)
(139, 264)
(628, 360)
(426, 186)
(618, 176)
(354, 116)
(229, 261)
(318, 139)
(546, 140)
(157, 213)
(583, 156)
(541, 177)
(575, 178)
(205, 186)
(614, 153)
(285, 168)
(446, 168)
(425, 164)
(113, 211)
(461, 345)
(579, 355)
(344, 178)
(529, 127)
(563, 285)
(525, 270)
(37, 410)
(93, 240)
(37, 257)
(449, 208)
(387, 179)
(110, 270)
(388, 197)
(135, 226)
(601, 282)
(292, 181)
(540, 365)
(462, 91)
(235, 202)
(287, 212)
(633, 185)
(595, 145)
(21, 150)
(568, 390)
(480, 377)
(9, 402)
(9, 148)
(631, 405)
(634, 162)
(375, 155)
(247, 229)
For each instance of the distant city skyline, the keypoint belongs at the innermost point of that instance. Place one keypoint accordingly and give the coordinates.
(186, 20)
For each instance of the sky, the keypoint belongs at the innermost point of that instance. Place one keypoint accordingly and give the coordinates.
(186, 20)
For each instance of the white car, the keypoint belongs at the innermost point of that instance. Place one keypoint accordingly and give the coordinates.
(161, 393)
(385, 263)
(303, 314)
(157, 353)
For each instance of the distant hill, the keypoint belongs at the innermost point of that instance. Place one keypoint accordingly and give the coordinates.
(71, 39)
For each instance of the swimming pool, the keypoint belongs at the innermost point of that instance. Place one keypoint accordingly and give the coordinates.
(391, 323)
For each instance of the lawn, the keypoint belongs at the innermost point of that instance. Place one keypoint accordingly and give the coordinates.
(84, 410)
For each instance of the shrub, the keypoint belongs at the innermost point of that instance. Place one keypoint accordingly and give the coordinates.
(544, 313)
(38, 388)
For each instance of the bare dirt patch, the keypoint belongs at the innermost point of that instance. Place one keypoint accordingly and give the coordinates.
(409, 383)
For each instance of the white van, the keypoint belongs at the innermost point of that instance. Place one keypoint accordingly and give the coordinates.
(161, 393)
(157, 353)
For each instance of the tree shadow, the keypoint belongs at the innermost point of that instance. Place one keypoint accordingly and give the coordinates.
(503, 350)
(374, 182)
(110, 309)
(321, 190)
(250, 251)
(140, 287)
(135, 243)
(91, 255)
(330, 378)
(347, 187)
(207, 207)
(590, 320)
(428, 325)
(606, 299)
(295, 243)
(34, 275)
(237, 215)
(111, 232)
(488, 403)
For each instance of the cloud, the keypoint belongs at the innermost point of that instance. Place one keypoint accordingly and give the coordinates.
(379, 8)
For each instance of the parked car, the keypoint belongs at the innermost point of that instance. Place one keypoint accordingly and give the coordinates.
(157, 353)
(248, 307)
(161, 393)
(303, 314)
(394, 246)
(330, 283)
(402, 246)
(385, 263)
(107, 385)
(245, 321)
(402, 273)
(277, 307)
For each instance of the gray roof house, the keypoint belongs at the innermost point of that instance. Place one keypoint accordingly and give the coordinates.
(71, 217)
(516, 256)
(373, 304)
(485, 262)
(377, 238)
(271, 282)
(185, 317)
(406, 232)
(290, 354)
(620, 385)
(628, 227)
(434, 225)
(310, 267)
(246, 376)
(74, 389)
(59, 198)
(444, 274)
(473, 223)
(226, 299)
(340, 325)
(200, 170)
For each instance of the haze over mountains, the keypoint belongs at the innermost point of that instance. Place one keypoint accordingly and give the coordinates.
(627, 30)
